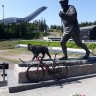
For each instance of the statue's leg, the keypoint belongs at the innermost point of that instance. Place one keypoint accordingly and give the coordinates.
(63, 42)
(76, 38)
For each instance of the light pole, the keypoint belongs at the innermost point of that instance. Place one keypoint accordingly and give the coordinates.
(3, 12)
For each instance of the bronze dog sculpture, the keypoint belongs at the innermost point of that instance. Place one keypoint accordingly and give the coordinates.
(37, 49)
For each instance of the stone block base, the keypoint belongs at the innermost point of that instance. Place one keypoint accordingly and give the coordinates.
(76, 70)
(20, 73)
(80, 70)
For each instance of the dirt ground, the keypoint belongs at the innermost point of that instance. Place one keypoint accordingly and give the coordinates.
(12, 56)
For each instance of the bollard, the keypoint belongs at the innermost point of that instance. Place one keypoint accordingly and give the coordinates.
(3, 74)
(3, 67)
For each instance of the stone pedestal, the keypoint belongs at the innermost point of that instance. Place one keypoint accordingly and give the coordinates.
(20, 73)
(75, 68)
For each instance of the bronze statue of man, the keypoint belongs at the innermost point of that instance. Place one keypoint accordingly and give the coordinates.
(71, 28)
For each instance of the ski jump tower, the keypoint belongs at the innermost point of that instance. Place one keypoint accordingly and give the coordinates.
(27, 18)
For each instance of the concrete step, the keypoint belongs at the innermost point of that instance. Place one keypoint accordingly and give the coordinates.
(17, 80)
(14, 86)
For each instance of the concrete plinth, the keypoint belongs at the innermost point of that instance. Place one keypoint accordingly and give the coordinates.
(20, 73)
(76, 70)
(17, 80)
(80, 70)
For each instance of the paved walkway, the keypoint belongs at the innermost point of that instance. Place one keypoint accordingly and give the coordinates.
(85, 86)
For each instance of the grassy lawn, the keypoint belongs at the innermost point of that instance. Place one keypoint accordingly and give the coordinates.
(70, 44)
(9, 44)
(13, 55)
(10, 51)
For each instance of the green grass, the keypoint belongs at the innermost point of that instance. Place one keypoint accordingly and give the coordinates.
(56, 44)
(8, 46)
(35, 42)
(12, 53)
(11, 43)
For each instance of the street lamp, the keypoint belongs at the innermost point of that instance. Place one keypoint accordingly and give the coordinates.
(3, 12)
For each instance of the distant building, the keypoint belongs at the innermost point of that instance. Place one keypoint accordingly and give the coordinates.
(52, 38)
(27, 18)
(88, 32)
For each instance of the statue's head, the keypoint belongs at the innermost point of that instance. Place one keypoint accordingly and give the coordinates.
(64, 3)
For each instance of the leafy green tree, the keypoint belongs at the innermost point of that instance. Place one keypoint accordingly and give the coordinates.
(2, 30)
